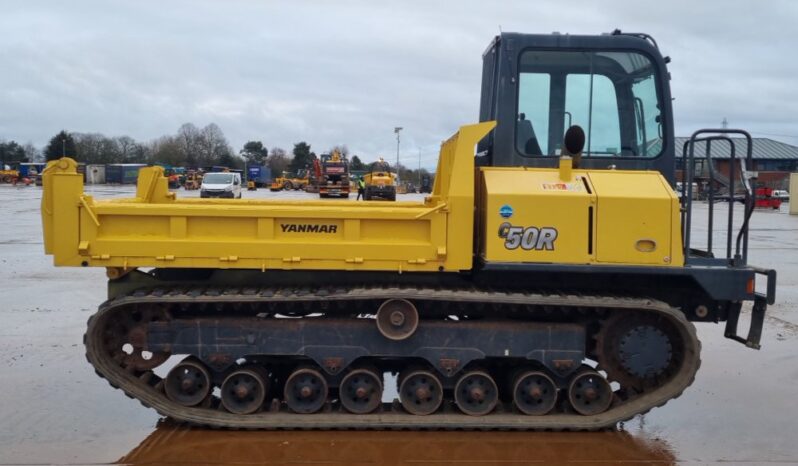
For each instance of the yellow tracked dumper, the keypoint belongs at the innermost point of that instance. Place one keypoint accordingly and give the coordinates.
(550, 280)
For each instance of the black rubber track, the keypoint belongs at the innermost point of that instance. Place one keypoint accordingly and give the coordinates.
(139, 386)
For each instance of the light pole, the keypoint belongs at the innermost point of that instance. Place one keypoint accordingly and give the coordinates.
(419, 170)
(397, 130)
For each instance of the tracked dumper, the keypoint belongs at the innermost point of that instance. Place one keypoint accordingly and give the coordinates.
(547, 282)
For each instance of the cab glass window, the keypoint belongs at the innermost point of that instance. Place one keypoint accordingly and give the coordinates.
(612, 95)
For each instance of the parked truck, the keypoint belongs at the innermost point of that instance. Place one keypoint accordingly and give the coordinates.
(334, 177)
(261, 175)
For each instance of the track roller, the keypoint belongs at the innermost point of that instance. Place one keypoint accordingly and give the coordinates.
(244, 390)
(420, 392)
(590, 393)
(188, 383)
(534, 393)
(476, 393)
(305, 391)
(397, 319)
(360, 391)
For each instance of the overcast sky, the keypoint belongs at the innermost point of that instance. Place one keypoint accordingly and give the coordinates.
(348, 72)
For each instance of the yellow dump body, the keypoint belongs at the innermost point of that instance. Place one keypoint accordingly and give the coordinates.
(155, 229)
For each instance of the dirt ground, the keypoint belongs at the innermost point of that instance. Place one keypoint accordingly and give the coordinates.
(54, 409)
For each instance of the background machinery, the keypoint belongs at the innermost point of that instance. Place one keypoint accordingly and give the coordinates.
(259, 175)
(550, 282)
(314, 177)
(192, 180)
(334, 175)
(290, 181)
(8, 175)
(380, 182)
(426, 184)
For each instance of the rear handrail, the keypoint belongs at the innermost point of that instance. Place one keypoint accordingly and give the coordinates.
(688, 155)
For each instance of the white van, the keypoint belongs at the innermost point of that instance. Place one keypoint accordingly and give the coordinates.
(225, 184)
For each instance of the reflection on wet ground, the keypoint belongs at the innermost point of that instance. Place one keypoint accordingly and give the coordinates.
(170, 444)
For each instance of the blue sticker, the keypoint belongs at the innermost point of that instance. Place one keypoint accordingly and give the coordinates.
(506, 211)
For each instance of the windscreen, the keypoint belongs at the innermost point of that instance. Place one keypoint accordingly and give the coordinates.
(218, 178)
(613, 96)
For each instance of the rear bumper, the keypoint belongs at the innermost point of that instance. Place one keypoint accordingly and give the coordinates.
(381, 191)
(333, 190)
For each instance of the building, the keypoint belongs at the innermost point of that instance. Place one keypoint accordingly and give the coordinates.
(772, 160)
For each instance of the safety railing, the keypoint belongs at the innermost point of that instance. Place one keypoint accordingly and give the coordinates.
(746, 175)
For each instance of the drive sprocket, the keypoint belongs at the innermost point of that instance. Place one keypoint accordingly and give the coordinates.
(639, 351)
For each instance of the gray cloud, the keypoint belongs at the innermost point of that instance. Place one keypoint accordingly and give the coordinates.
(348, 72)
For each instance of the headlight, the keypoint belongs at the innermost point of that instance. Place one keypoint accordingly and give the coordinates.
(228, 188)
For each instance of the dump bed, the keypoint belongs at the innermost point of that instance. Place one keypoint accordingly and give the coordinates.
(156, 229)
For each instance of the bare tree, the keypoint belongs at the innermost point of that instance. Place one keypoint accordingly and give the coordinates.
(32, 153)
(125, 146)
(278, 161)
(189, 142)
(213, 144)
(167, 150)
(96, 148)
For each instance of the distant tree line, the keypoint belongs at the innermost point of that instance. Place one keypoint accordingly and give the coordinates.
(12, 151)
(190, 146)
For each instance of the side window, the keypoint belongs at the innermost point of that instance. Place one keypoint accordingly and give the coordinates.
(647, 116)
(532, 121)
(598, 115)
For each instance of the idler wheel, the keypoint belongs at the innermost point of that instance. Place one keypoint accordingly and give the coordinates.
(244, 390)
(397, 319)
(420, 393)
(534, 393)
(305, 391)
(590, 393)
(476, 393)
(126, 338)
(188, 383)
(361, 391)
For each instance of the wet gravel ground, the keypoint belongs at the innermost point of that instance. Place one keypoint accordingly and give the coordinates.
(54, 409)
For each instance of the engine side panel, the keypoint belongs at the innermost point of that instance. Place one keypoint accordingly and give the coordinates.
(578, 217)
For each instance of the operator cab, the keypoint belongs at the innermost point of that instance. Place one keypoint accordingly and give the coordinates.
(614, 86)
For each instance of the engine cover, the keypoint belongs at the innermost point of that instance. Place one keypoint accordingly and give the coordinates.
(569, 216)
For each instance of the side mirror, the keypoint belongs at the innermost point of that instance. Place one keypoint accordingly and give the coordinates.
(574, 143)
(574, 140)
(236, 182)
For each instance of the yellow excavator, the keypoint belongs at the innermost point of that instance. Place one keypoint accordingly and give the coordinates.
(550, 281)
